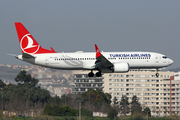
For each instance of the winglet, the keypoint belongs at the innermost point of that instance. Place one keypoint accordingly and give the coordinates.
(98, 53)
(52, 49)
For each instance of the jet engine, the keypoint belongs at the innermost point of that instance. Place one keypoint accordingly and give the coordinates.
(121, 67)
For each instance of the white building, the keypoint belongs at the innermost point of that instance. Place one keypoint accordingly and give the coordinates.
(152, 92)
(161, 95)
(175, 94)
(83, 83)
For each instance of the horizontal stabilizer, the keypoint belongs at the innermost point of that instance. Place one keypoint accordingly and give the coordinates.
(26, 55)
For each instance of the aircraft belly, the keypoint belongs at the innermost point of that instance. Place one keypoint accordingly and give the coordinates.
(140, 64)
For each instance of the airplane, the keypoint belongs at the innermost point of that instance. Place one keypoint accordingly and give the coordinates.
(102, 62)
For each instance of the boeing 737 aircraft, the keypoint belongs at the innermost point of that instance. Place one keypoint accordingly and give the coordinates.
(103, 62)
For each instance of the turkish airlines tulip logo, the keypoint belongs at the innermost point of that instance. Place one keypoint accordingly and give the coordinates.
(28, 44)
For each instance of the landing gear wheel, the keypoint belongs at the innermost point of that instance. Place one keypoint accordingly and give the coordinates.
(91, 74)
(98, 74)
(157, 74)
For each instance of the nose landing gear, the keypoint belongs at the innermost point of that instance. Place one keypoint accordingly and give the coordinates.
(157, 74)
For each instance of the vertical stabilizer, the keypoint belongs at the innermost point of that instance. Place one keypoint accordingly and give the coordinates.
(27, 43)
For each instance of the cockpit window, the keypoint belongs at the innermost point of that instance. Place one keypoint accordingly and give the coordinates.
(164, 57)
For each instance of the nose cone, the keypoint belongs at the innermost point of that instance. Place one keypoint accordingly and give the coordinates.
(170, 61)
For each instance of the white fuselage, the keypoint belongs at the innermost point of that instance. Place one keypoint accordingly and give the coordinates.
(86, 60)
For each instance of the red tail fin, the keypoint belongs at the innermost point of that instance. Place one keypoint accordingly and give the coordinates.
(27, 43)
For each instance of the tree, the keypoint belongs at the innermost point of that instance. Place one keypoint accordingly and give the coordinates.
(135, 106)
(56, 110)
(2, 84)
(112, 113)
(54, 100)
(26, 79)
(124, 105)
(115, 101)
(48, 110)
(22, 77)
(25, 95)
(86, 112)
(115, 104)
(147, 111)
(59, 110)
(97, 99)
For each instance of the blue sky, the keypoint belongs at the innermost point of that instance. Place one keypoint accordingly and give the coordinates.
(114, 25)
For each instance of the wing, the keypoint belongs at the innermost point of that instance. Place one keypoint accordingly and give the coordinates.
(101, 61)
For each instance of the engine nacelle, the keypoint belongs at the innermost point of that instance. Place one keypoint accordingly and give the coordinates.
(121, 67)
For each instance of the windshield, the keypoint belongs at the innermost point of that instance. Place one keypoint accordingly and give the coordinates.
(164, 57)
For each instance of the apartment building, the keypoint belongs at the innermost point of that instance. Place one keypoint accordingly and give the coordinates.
(83, 83)
(161, 95)
(175, 94)
(152, 92)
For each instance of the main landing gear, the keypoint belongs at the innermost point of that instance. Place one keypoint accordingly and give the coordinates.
(99, 74)
(91, 74)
